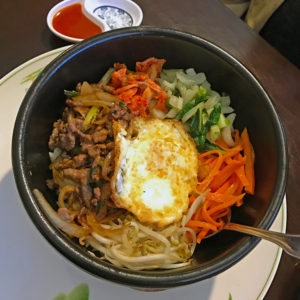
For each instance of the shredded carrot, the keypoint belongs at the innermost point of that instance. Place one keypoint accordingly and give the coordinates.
(224, 188)
(249, 166)
(192, 198)
(222, 144)
(224, 174)
(228, 177)
(193, 223)
(202, 186)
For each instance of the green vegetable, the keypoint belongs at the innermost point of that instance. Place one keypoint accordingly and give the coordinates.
(214, 132)
(192, 112)
(199, 129)
(202, 91)
(196, 124)
(189, 106)
(200, 142)
(90, 117)
(107, 76)
(71, 94)
(214, 117)
(223, 122)
(208, 146)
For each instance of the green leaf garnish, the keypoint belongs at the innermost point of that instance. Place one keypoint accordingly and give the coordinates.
(81, 292)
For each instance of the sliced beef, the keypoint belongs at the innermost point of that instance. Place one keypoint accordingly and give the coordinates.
(61, 137)
(100, 134)
(79, 161)
(97, 149)
(75, 126)
(78, 175)
(120, 112)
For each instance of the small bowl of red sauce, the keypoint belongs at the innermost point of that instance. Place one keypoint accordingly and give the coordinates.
(76, 20)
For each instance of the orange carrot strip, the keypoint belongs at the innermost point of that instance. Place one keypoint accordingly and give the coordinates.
(208, 153)
(197, 215)
(224, 174)
(207, 216)
(210, 160)
(226, 204)
(202, 235)
(221, 198)
(240, 172)
(203, 171)
(237, 138)
(239, 203)
(221, 214)
(232, 152)
(239, 188)
(222, 189)
(233, 187)
(201, 224)
(249, 165)
(222, 144)
(202, 186)
(192, 198)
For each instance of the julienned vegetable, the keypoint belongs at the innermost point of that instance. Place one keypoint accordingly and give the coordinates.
(202, 109)
(90, 117)
(225, 177)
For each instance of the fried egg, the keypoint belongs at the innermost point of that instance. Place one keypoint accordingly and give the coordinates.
(156, 167)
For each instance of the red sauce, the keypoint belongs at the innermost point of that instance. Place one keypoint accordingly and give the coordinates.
(71, 21)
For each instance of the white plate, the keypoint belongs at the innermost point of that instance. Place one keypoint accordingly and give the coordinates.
(32, 269)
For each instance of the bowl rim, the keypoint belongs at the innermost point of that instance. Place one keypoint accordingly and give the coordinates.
(72, 251)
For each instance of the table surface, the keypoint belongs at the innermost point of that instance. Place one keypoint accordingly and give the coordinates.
(24, 35)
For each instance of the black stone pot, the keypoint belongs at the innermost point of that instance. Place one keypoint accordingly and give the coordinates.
(44, 103)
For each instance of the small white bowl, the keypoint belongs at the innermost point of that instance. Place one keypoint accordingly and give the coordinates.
(107, 14)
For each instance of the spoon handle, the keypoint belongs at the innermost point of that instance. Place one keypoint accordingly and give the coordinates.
(290, 243)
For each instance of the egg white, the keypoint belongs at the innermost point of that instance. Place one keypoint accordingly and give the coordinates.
(155, 170)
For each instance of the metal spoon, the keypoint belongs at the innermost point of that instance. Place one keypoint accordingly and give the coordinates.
(290, 243)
